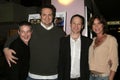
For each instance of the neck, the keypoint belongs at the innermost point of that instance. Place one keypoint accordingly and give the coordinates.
(26, 43)
(75, 36)
(100, 35)
(47, 25)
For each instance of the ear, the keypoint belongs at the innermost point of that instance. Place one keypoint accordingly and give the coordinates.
(18, 32)
(70, 24)
(82, 27)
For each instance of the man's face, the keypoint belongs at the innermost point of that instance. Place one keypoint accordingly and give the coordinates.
(46, 16)
(76, 25)
(25, 33)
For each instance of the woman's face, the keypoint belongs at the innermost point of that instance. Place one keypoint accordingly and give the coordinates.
(97, 26)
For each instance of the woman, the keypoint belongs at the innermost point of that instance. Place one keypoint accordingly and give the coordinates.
(103, 52)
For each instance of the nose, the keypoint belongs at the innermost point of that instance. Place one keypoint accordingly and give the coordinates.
(26, 34)
(47, 16)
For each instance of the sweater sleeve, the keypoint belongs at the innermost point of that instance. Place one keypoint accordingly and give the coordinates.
(113, 53)
(10, 40)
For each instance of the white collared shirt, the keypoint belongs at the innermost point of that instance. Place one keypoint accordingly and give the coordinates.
(75, 57)
(47, 28)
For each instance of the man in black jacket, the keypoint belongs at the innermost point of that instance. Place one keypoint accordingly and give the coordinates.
(20, 70)
(73, 55)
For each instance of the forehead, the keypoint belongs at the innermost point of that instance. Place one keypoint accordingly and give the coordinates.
(46, 10)
(96, 20)
(77, 19)
(25, 27)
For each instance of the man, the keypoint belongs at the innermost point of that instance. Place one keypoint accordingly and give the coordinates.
(73, 56)
(19, 71)
(44, 47)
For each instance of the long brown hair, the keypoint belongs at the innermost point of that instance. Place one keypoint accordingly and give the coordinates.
(102, 21)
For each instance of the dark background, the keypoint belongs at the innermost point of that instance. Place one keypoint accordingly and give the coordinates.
(109, 8)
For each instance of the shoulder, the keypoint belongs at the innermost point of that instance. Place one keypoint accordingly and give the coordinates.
(36, 26)
(86, 38)
(59, 30)
(110, 37)
(65, 38)
(15, 43)
(112, 40)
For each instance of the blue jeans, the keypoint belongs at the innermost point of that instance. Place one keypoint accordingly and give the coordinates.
(98, 78)
(28, 78)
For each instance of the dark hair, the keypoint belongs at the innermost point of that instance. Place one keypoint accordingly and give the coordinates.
(77, 15)
(52, 7)
(102, 21)
(24, 23)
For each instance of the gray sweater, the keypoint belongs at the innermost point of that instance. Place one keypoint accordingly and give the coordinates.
(44, 50)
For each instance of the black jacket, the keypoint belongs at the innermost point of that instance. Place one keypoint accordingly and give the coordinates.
(64, 65)
(19, 71)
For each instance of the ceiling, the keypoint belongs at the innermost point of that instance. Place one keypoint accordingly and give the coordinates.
(109, 8)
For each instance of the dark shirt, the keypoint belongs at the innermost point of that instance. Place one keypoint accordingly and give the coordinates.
(19, 71)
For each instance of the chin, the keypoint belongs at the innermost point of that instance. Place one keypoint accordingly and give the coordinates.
(25, 40)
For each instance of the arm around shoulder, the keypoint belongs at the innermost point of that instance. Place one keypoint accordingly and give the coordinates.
(9, 52)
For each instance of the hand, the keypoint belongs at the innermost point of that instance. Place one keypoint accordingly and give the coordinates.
(111, 75)
(9, 56)
(110, 78)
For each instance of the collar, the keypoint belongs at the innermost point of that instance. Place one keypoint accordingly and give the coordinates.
(78, 39)
(47, 28)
